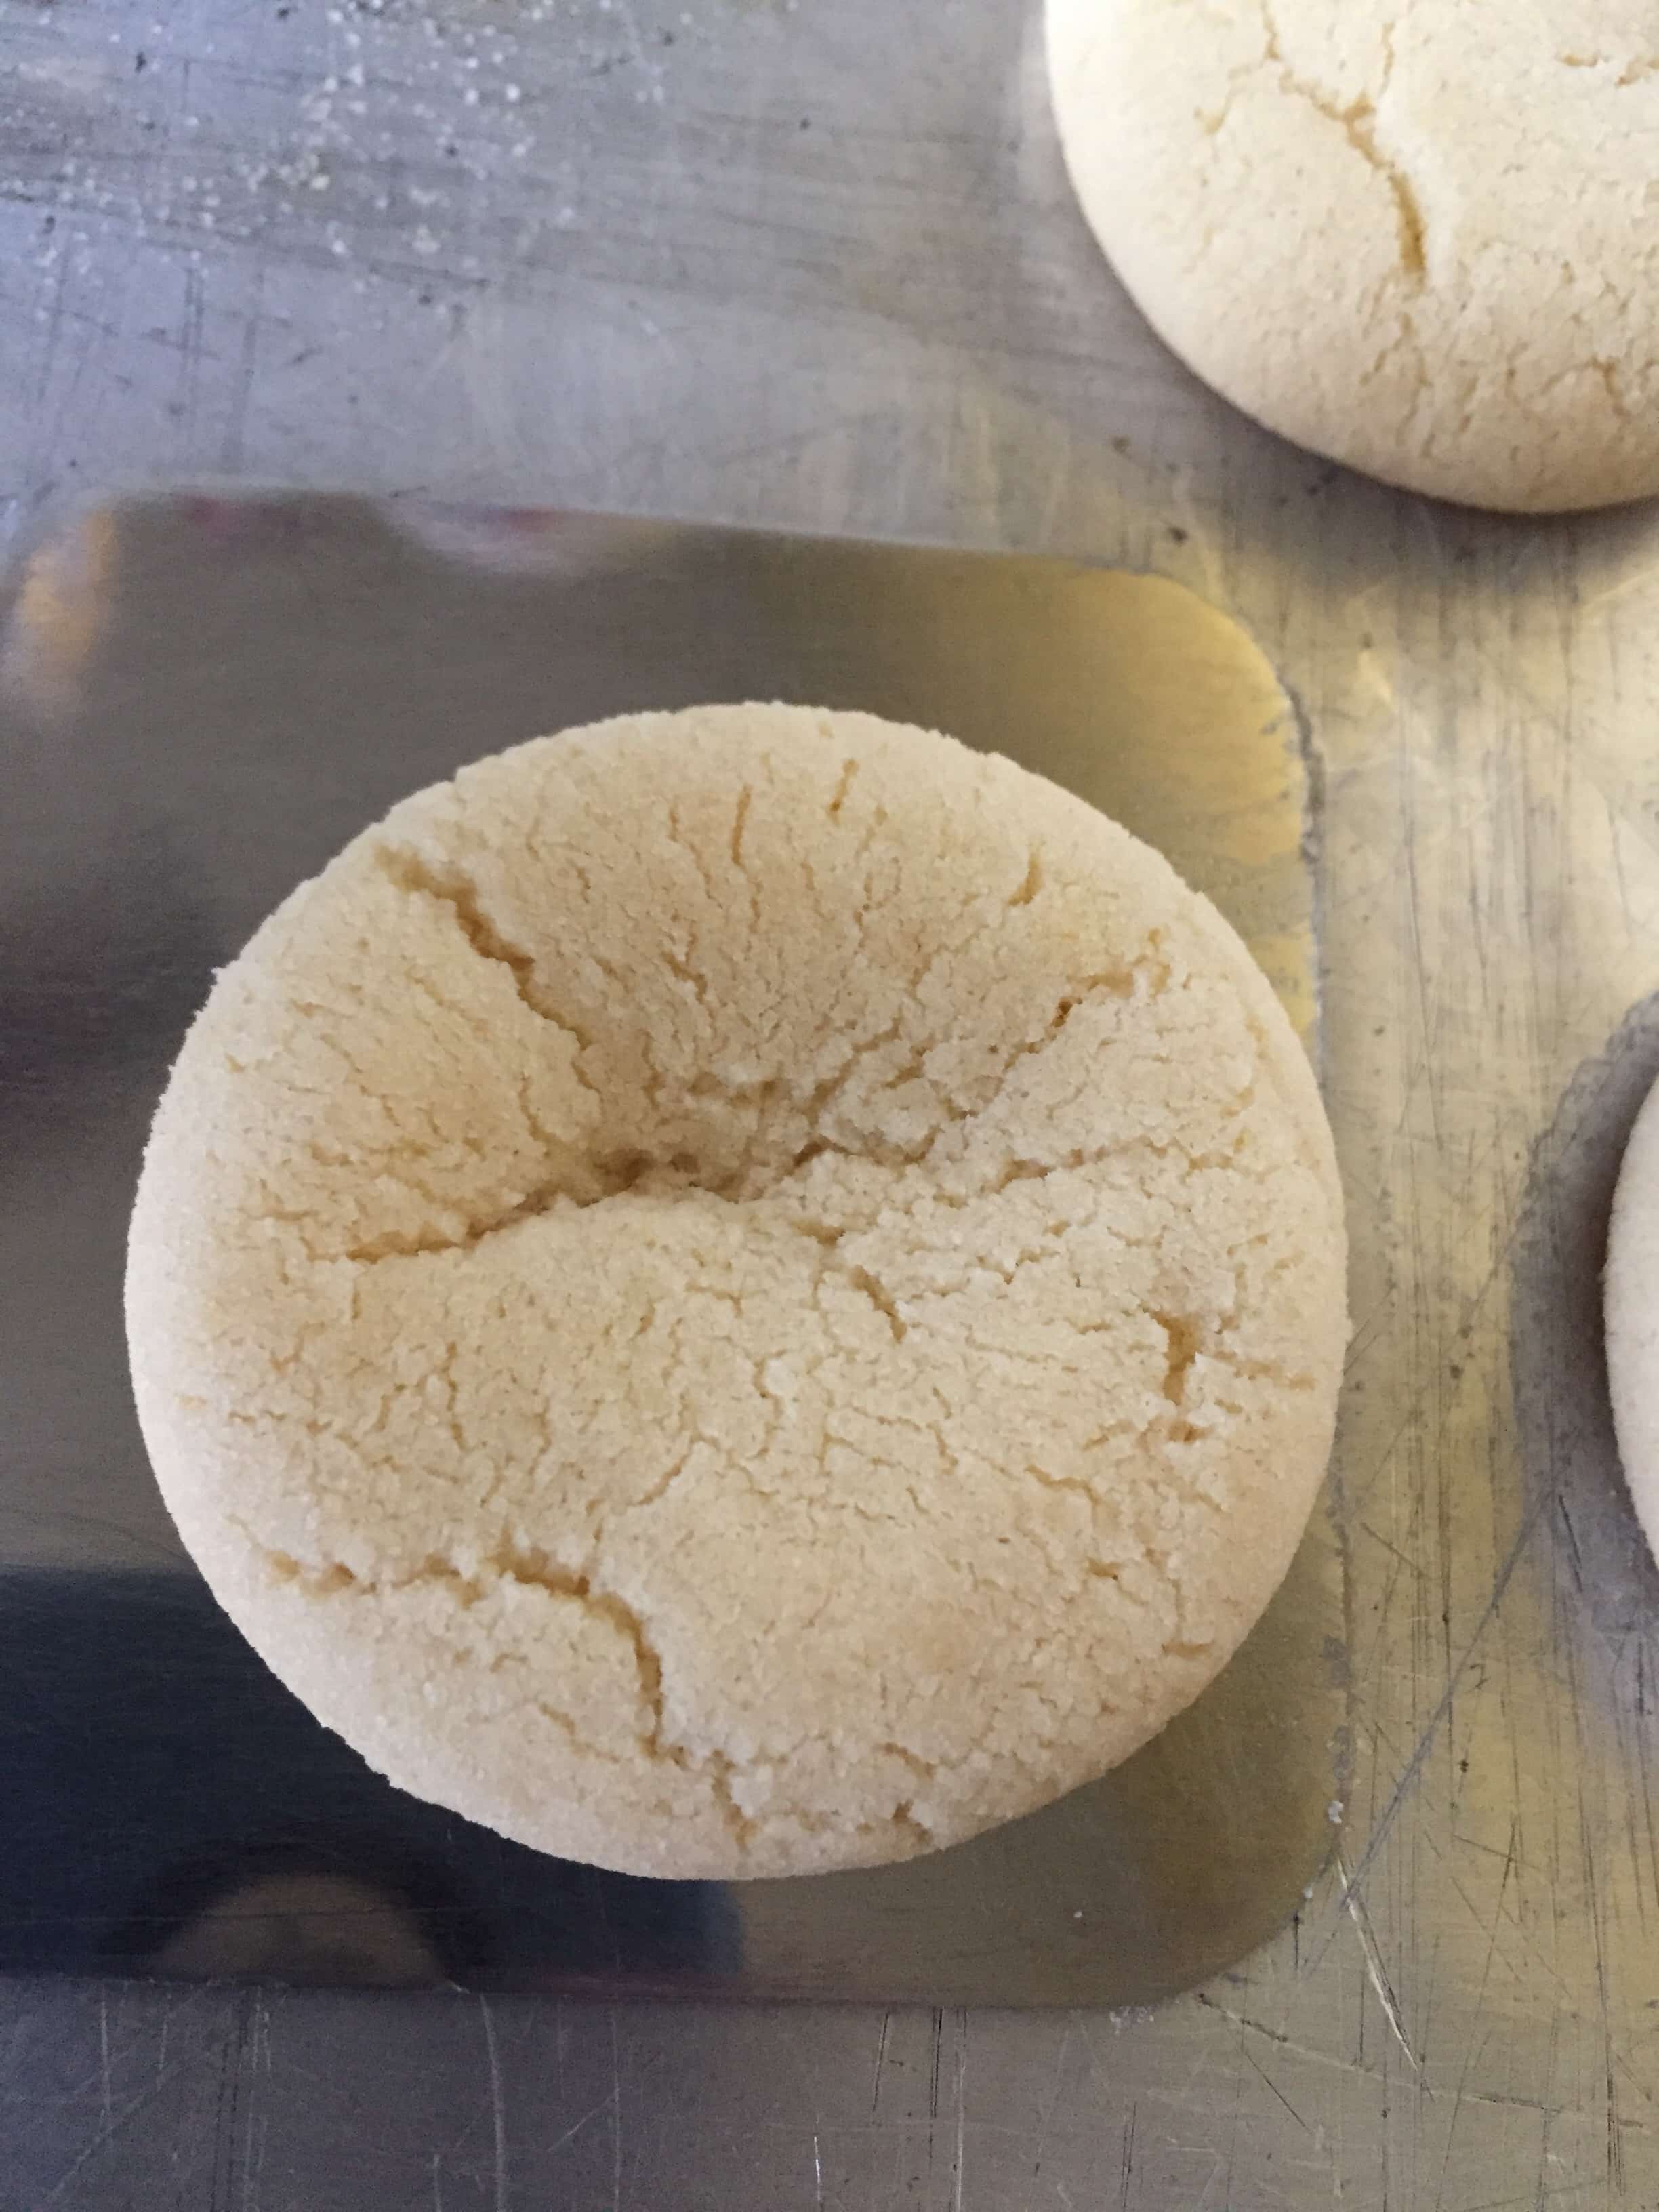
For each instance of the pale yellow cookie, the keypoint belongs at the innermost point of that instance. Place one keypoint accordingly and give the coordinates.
(740, 1292)
(1421, 236)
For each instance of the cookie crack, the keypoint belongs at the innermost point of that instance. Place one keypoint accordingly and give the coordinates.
(720, 1771)
(534, 1569)
(1633, 70)
(1358, 121)
(1609, 371)
(529, 1567)
(844, 782)
(575, 1176)
(925, 1769)
(578, 1180)
(407, 872)
(563, 1721)
(1182, 1340)
(903, 1818)
(1074, 1483)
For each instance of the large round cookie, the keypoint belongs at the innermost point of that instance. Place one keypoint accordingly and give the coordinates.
(1632, 1296)
(741, 1292)
(1423, 241)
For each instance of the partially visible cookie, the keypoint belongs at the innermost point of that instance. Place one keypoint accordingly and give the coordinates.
(741, 1292)
(1422, 240)
(1631, 1298)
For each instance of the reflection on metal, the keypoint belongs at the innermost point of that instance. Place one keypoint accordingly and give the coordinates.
(250, 1841)
(1608, 1582)
(61, 599)
(301, 1928)
(254, 681)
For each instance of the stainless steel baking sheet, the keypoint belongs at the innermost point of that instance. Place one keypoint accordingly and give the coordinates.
(200, 699)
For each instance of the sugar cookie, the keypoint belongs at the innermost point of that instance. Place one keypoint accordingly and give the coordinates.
(741, 1292)
(1421, 239)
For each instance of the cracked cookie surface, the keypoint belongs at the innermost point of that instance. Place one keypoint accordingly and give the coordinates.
(1421, 239)
(741, 1292)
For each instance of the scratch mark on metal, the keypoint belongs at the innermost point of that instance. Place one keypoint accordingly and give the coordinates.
(119, 2119)
(606, 2103)
(881, 2061)
(1374, 1968)
(1303, 2050)
(1413, 1766)
(234, 444)
(1610, 594)
(616, 2117)
(1047, 2114)
(497, 2107)
(961, 2077)
(1127, 2171)
(1250, 2058)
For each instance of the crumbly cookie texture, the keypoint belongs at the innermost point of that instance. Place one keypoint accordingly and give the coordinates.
(741, 1292)
(1632, 1303)
(1421, 236)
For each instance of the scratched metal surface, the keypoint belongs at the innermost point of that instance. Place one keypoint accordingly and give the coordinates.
(815, 267)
